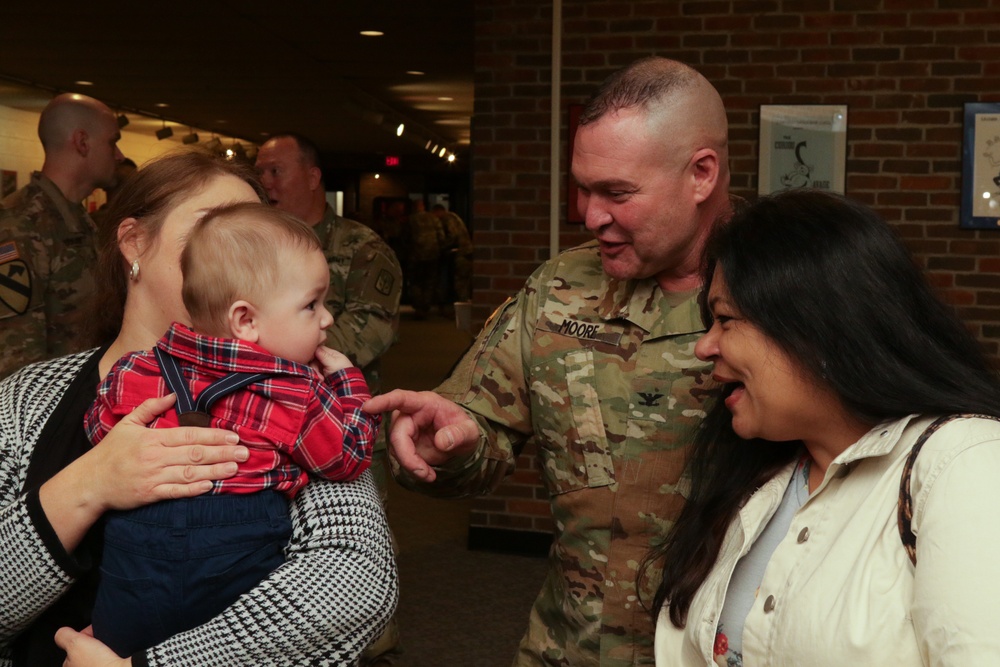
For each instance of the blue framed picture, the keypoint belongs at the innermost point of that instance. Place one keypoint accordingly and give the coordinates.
(981, 166)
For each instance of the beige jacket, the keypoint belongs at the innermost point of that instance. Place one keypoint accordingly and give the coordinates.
(840, 590)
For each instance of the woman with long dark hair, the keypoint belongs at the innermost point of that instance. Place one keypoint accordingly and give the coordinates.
(834, 357)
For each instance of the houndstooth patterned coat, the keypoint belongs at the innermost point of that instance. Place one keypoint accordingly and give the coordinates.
(334, 594)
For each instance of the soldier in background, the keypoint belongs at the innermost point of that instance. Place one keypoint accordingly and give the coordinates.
(594, 360)
(425, 242)
(47, 240)
(365, 278)
(458, 255)
(365, 287)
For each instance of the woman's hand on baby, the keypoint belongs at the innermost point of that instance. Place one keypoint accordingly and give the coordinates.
(163, 463)
(331, 361)
(135, 465)
(141, 465)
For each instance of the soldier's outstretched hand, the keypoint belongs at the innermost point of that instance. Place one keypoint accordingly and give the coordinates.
(427, 430)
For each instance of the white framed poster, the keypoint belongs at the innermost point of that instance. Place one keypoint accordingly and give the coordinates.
(802, 146)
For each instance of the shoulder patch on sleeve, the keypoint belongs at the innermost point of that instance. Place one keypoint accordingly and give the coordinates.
(384, 282)
(15, 279)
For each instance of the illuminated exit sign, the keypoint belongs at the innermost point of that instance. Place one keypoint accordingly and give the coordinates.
(392, 160)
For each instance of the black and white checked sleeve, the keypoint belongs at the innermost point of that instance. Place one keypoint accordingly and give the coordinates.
(34, 570)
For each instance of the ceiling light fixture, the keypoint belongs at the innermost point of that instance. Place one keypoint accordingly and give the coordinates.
(164, 132)
(435, 149)
(446, 99)
(372, 33)
(213, 144)
(122, 120)
(377, 176)
(415, 72)
(443, 151)
(162, 105)
(84, 83)
(399, 130)
(451, 158)
(428, 144)
(190, 137)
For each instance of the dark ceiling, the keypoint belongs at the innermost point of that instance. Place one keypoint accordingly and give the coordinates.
(247, 68)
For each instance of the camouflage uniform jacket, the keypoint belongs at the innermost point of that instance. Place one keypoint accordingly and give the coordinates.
(426, 237)
(602, 373)
(456, 234)
(365, 286)
(47, 256)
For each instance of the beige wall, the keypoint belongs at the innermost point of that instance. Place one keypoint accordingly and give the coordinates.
(21, 151)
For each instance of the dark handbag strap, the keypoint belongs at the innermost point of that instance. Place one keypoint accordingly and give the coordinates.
(195, 412)
(905, 505)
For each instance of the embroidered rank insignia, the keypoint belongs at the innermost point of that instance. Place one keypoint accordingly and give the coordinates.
(650, 400)
(384, 282)
(15, 279)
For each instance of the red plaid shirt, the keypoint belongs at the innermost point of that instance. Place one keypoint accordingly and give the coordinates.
(294, 423)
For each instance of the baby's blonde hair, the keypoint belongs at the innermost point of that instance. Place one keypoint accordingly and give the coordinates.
(234, 253)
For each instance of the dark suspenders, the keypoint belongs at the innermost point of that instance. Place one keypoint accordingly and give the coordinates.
(195, 412)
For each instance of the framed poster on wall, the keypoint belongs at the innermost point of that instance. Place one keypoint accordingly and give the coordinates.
(8, 182)
(802, 146)
(981, 166)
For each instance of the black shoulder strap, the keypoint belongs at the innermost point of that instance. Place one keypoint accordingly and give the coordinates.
(905, 506)
(195, 412)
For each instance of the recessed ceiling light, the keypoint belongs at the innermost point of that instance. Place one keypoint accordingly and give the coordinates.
(445, 99)
(415, 72)
(399, 130)
(84, 83)
(372, 33)
(162, 104)
(222, 121)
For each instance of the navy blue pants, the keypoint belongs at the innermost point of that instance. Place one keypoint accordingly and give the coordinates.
(170, 566)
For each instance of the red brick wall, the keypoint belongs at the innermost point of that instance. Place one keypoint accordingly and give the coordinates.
(904, 67)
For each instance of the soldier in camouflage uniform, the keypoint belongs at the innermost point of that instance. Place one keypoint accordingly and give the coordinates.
(594, 360)
(47, 240)
(458, 245)
(365, 287)
(425, 244)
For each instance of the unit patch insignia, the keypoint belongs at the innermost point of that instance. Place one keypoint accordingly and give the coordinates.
(15, 279)
(384, 282)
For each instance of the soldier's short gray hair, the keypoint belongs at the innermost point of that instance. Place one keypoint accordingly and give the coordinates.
(641, 84)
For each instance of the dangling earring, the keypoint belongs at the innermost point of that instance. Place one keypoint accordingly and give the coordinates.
(133, 275)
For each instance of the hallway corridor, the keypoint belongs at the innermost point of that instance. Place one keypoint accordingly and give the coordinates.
(458, 608)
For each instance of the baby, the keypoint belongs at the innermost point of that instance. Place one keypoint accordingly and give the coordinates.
(254, 362)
